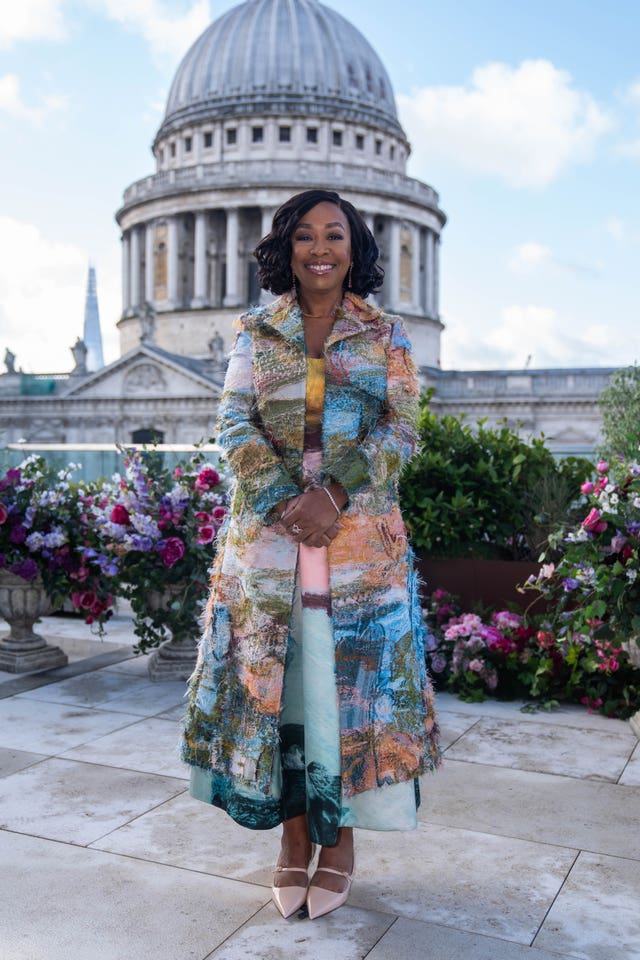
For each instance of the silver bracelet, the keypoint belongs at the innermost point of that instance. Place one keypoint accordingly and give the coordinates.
(330, 495)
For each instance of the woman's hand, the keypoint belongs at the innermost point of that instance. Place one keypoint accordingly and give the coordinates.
(311, 519)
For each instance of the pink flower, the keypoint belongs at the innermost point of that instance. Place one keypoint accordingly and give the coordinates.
(76, 599)
(207, 479)
(172, 551)
(475, 666)
(206, 534)
(178, 472)
(120, 515)
(4, 513)
(602, 466)
(593, 522)
(218, 514)
(88, 599)
(588, 486)
(202, 517)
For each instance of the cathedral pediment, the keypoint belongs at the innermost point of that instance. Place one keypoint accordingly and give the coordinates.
(152, 373)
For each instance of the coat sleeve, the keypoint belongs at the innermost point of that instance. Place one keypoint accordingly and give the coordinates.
(378, 459)
(263, 479)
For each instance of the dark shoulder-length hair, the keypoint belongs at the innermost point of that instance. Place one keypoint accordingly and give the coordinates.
(273, 253)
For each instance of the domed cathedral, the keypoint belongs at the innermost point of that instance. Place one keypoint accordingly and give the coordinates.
(276, 96)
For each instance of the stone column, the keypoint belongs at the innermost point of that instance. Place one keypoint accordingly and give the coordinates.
(135, 268)
(232, 297)
(200, 261)
(148, 263)
(430, 274)
(172, 261)
(267, 220)
(436, 277)
(394, 264)
(415, 268)
(126, 288)
(369, 219)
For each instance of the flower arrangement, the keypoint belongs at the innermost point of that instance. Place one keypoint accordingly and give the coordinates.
(592, 592)
(44, 534)
(475, 657)
(157, 529)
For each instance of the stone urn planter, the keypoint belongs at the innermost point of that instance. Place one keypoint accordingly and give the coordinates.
(22, 603)
(174, 659)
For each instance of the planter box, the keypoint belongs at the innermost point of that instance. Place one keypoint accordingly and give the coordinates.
(490, 583)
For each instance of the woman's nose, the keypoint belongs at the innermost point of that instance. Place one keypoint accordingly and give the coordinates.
(319, 246)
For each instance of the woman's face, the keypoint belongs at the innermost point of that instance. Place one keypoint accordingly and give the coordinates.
(321, 250)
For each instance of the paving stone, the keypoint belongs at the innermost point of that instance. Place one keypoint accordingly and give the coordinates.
(189, 833)
(347, 933)
(430, 941)
(529, 745)
(631, 773)
(453, 725)
(151, 746)
(498, 886)
(43, 727)
(585, 814)
(596, 914)
(96, 688)
(78, 802)
(564, 715)
(13, 760)
(59, 902)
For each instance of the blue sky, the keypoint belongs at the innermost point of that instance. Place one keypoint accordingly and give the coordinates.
(525, 117)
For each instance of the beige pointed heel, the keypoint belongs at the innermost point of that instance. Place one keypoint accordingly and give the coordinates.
(290, 899)
(321, 901)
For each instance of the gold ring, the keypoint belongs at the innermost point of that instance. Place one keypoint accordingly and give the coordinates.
(296, 529)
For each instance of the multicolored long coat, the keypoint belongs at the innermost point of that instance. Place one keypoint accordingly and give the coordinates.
(388, 728)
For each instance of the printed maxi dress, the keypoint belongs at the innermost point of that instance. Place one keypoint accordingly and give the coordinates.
(308, 775)
(309, 720)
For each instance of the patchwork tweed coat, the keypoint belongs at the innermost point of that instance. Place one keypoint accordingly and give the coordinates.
(387, 721)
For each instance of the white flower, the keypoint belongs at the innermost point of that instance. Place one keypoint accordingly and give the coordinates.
(35, 541)
(636, 501)
(632, 575)
(614, 498)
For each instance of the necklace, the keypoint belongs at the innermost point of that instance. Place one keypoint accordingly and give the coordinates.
(331, 315)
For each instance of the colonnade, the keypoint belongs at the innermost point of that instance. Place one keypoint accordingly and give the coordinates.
(138, 271)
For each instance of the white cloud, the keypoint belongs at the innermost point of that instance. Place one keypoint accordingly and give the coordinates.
(527, 256)
(42, 291)
(531, 335)
(168, 34)
(31, 20)
(524, 124)
(11, 101)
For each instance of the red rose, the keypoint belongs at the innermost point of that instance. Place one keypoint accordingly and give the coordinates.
(88, 599)
(593, 522)
(202, 517)
(172, 551)
(207, 479)
(120, 515)
(206, 534)
(218, 514)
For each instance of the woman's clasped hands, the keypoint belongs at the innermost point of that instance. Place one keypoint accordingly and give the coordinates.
(310, 518)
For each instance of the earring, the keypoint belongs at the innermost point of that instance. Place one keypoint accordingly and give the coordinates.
(350, 277)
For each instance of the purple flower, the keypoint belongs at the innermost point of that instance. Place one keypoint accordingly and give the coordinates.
(569, 584)
(18, 535)
(3, 561)
(27, 569)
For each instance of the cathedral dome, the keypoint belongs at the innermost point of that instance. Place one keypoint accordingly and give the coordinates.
(281, 57)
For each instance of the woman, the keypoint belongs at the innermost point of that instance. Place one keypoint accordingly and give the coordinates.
(309, 704)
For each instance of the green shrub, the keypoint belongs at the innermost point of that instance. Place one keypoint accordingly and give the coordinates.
(479, 491)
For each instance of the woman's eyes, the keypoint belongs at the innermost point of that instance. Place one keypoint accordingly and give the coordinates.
(302, 237)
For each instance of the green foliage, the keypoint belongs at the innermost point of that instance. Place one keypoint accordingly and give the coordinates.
(474, 490)
(620, 407)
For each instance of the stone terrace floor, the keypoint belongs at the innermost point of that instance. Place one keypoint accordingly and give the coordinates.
(528, 846)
